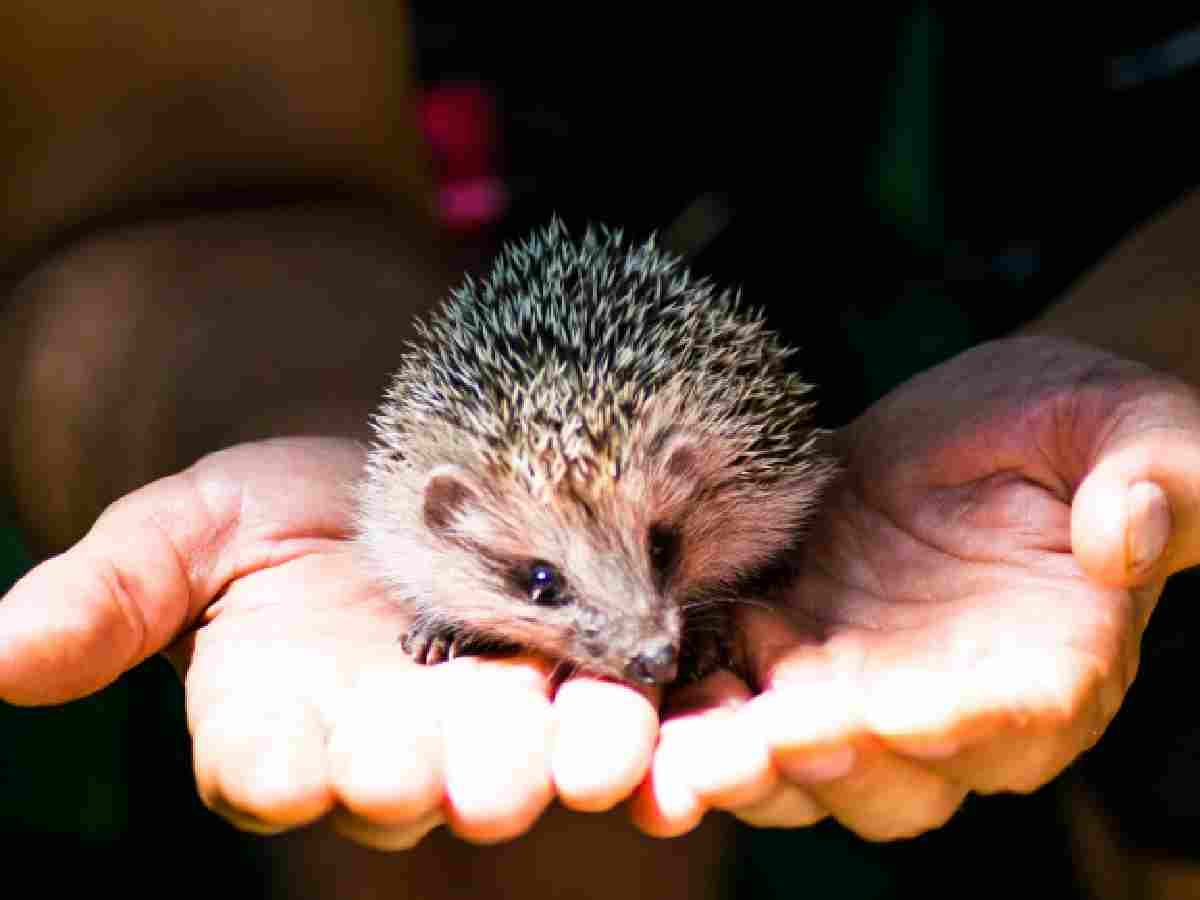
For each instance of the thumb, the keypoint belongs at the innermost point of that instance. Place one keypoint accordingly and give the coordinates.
(1135, 519)
(157, 557)
(79, 620)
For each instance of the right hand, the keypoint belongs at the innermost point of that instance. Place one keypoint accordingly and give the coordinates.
(299, 699)
(971, 605)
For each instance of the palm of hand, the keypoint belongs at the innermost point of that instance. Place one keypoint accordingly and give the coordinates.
(299, 699)
(274, 670)
(944, 639)
(943, 635)
(948, 592)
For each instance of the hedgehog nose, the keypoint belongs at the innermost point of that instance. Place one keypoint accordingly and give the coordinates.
(656, 663)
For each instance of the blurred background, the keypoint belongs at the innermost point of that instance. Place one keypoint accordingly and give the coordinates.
(892, 186)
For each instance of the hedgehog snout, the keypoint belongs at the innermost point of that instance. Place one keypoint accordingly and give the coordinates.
(654, 662)
(640, 649)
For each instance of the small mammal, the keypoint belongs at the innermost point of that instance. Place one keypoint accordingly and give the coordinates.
(592, 454)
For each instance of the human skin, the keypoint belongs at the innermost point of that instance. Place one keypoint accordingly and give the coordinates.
(970, 604)
(967, 618)
(146, 395)
(973, 598)
(238, 565)
(135, 353)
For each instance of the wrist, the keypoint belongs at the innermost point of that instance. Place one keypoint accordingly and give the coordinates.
(1160, 335)
(1142, 301)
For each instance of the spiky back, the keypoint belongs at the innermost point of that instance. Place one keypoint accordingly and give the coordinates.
(543, 368)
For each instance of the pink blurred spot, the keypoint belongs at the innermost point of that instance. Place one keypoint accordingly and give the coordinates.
(472, 203)
(460, 123)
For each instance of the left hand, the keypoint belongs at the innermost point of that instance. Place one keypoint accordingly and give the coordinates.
(971, 603)
(299, 699)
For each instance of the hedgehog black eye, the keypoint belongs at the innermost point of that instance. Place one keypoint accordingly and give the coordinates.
(545, 585)
(662, 544)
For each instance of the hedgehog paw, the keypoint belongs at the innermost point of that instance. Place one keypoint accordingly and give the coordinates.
(429, 645)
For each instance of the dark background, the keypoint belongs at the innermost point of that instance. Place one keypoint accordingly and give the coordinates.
(896, 186)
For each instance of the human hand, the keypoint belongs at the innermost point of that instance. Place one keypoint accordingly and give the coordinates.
(971, 603)
(299, 699)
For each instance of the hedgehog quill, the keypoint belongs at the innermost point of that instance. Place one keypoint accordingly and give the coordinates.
(592, 454)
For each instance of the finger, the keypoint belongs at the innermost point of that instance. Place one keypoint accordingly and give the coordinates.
(1007, 716)
(77, 621)
(665, 804)
(291, 707)
(885, 797)
(1019, 761)
(809, 709)
(875, 792)
(156, 558)
(826, 674)
(1136, 516)
(842, 765)
(261, 763)
(385, 756)
(729, 765)
(370, 833)
(603, 741)
(816, 718)
(703, 759)
(496, 731)
(1027, 716)
(787, 806)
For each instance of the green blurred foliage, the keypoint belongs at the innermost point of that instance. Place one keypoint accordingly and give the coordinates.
(904, 180)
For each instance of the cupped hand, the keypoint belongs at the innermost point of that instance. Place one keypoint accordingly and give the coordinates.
(971, 602)
(299, 698)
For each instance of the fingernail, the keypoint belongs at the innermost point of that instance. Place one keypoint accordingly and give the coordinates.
(1148, 525)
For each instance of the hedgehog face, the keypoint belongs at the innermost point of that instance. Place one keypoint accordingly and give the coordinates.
(611, 575)
(580, 577)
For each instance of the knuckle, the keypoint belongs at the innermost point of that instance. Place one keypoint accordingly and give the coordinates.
(917, 819)
(1046, 760)
(238, 816)
(119, 589)
(385, 836)
(787, 806)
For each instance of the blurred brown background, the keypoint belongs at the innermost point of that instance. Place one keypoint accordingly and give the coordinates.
(892, 185)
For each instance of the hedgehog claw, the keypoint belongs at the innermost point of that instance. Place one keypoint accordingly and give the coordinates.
(437, 651)
(416, 643)
(429, 646)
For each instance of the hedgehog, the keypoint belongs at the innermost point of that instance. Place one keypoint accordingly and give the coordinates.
(593, 454)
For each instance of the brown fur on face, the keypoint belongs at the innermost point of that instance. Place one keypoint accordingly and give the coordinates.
(461, 535)
(592, 408)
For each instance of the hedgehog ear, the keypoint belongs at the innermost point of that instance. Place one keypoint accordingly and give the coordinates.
(448, 497)
(687, 457)
(680, 454)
